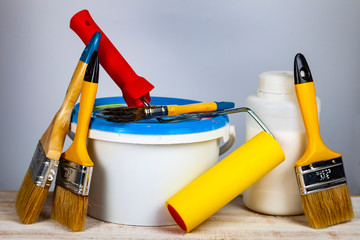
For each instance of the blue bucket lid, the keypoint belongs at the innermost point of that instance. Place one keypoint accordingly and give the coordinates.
(151, 126)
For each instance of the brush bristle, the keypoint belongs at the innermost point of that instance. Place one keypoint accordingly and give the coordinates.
(30, 200)
(328, 207)
(124, 114)
(69, 208)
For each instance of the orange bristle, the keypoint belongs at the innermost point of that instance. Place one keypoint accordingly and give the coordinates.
(30, 200)
(69, 208)
(328, 207)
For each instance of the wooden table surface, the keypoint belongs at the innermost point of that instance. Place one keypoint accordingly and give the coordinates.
(233, 221)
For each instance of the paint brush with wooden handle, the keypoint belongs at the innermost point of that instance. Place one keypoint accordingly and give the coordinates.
(35, 186)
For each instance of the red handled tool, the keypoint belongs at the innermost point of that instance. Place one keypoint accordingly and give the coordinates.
(135, 89)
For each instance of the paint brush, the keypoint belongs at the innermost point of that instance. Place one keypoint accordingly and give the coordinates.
(75, 168)
(133, 114)
(324, 193)
(35, 186)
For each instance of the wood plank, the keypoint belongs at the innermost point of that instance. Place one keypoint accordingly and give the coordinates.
(233, 221)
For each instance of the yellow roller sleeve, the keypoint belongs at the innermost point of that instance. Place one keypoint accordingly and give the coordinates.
(226, 180)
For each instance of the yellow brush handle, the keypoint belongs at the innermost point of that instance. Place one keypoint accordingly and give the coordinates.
(316, 150)
(53, 138)
(77, 151)
(174, 110)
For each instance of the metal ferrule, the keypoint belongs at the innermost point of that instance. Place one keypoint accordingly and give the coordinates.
(42, 169)
(321, 176)
(158, 111)
(74, 177)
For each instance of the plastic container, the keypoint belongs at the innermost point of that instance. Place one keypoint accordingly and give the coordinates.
(138, 166)
(276, 104)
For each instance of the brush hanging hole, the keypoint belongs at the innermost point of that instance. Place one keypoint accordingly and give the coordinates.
(304, 73)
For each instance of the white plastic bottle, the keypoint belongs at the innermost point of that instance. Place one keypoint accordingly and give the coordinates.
(276, 104)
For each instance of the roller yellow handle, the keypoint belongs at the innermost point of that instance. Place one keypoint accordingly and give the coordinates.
(315, 150)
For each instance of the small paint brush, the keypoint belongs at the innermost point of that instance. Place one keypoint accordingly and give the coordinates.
(70, 201)
(324, 192)
(35, 186)
(133, 114)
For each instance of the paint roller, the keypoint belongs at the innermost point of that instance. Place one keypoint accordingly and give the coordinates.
(226, 180)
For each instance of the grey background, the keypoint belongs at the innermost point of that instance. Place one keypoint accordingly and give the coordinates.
(202, 50)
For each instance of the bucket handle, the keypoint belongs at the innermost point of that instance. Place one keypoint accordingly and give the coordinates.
(228, 144)
(221, 112)
(231, 141)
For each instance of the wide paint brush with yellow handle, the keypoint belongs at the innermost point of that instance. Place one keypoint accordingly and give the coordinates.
(75, 169)
(324, 193)
(35, 186)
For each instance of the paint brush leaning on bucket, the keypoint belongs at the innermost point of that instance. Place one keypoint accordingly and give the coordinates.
(70, 201)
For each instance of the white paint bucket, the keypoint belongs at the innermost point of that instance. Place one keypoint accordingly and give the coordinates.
(138, 166)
